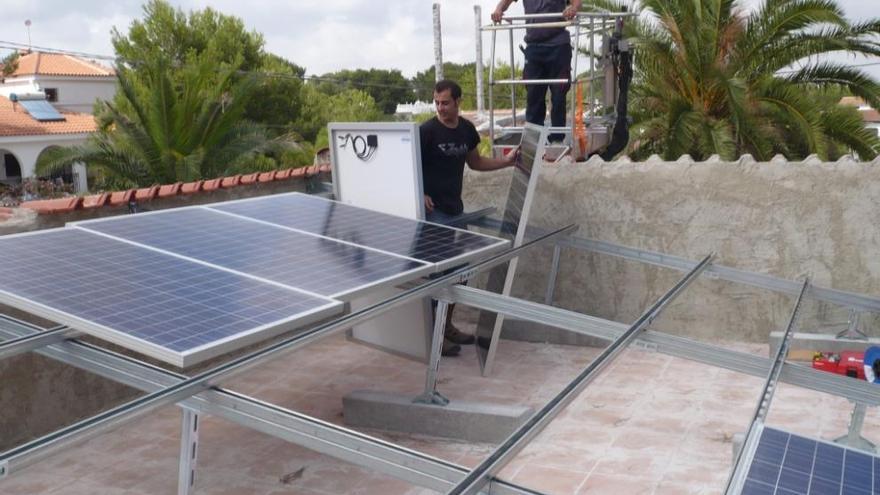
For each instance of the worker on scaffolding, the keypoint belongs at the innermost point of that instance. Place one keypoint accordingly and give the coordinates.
(548, 56)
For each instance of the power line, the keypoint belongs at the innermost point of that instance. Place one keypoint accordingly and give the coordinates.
(13, 45)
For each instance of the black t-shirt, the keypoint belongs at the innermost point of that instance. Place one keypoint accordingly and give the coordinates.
(443, 158)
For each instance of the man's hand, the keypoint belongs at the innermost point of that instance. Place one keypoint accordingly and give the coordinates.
(512, 157)
(497, 15)
(429, 204)
(570, 12)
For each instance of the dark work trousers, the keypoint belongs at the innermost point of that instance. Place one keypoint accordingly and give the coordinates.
(547, 62)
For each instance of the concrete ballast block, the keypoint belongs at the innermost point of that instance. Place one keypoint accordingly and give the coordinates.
(471, 421)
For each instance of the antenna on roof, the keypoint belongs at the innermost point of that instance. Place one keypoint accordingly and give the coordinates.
(27, 24)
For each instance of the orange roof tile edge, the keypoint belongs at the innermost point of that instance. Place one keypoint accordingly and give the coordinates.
(227, 182)
(119, 198)
(168, 190)
(249, 178)
(59, 205)
(146, 193)
(95, 200)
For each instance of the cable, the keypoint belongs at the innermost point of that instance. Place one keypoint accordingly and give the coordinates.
(367, 145)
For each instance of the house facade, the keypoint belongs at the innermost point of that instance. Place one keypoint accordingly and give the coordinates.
(47, 102)
(71, 84)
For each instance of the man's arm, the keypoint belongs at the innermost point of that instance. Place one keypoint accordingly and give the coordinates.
(476, 161)
(571, 11)
(500, 9)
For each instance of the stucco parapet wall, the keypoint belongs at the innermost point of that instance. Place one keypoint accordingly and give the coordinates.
(785, 219)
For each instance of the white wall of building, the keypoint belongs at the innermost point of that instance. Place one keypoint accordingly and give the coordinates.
(27, 149)
(75, 94)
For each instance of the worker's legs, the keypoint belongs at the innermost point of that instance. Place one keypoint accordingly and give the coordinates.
(561, 69)
(536, 94)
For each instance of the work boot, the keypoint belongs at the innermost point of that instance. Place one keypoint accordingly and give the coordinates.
(452, 333)
(449, 348)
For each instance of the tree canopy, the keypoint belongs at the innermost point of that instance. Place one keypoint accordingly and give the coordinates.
(712, 77)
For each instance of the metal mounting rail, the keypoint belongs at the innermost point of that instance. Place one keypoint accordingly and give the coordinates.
(848, 299)
(210, 378)
(27, 343)
(315, 434)
(481, 475)
(795, 374)
(737, 474)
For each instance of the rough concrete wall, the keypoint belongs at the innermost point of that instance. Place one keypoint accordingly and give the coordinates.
(778, 218)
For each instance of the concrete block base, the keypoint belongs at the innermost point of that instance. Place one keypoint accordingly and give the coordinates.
(821, 342)
(470, 421)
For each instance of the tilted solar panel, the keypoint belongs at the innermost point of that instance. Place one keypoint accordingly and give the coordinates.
(41, 110)
(172, 309)
(308, 262)
(422, 241)
(787, 464)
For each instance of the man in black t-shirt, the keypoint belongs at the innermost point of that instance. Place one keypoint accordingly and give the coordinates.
(448, 141)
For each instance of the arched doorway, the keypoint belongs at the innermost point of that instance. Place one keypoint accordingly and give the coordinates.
(66, 173)
(10, 168)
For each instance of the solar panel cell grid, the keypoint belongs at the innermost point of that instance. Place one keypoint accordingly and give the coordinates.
(418, 240)
(786, 464)
(304, 261)
(140, 296)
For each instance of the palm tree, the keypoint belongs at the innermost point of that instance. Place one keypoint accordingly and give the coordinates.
(171, 125)
(713, 78)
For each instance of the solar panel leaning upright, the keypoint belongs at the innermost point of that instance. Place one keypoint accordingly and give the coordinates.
(513, 226)
(187, 284)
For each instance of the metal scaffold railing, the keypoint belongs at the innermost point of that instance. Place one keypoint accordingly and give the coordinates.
(604, 35)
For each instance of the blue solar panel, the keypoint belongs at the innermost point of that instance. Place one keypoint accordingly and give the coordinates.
(422, 241)
(41, 110)
(172, 309)
(313, 263)
(786, 464)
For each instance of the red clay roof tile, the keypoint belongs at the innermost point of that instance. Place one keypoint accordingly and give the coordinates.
(191, 187)
(58, 205)
(227, 182)
(119, 198)
(168, 190)
(95, 200)
(211, 185)
(56, 64)
(249, 178)
(15, 121)
(146, 193)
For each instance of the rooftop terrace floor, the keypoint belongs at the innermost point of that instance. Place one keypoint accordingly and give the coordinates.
(650, 424)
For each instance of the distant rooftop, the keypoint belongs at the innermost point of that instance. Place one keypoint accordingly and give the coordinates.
(868, 114)
(15, 121)
(55, 64)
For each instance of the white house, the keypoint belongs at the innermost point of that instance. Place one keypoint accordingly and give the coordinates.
(23, 137)
(54, 96)
(70, 83)
(870, 116)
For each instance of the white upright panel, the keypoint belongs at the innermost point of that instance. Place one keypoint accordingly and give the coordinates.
(378, 165)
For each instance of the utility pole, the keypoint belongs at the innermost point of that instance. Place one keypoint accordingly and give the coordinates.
(438, 45)
(478, 14)
(27, 24)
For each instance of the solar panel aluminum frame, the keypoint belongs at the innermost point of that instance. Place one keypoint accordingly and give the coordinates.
(346, 295)
(469, 257)
(179, 359)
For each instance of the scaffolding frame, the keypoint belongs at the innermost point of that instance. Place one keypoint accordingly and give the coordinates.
(590, 24)
(59, 343)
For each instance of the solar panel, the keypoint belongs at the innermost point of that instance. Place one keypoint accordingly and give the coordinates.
(428, 242)
(787, 464)
(41, 110)
(312, 263)
(172, 309)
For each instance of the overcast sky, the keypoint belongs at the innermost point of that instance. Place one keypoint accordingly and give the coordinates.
(322, 36)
